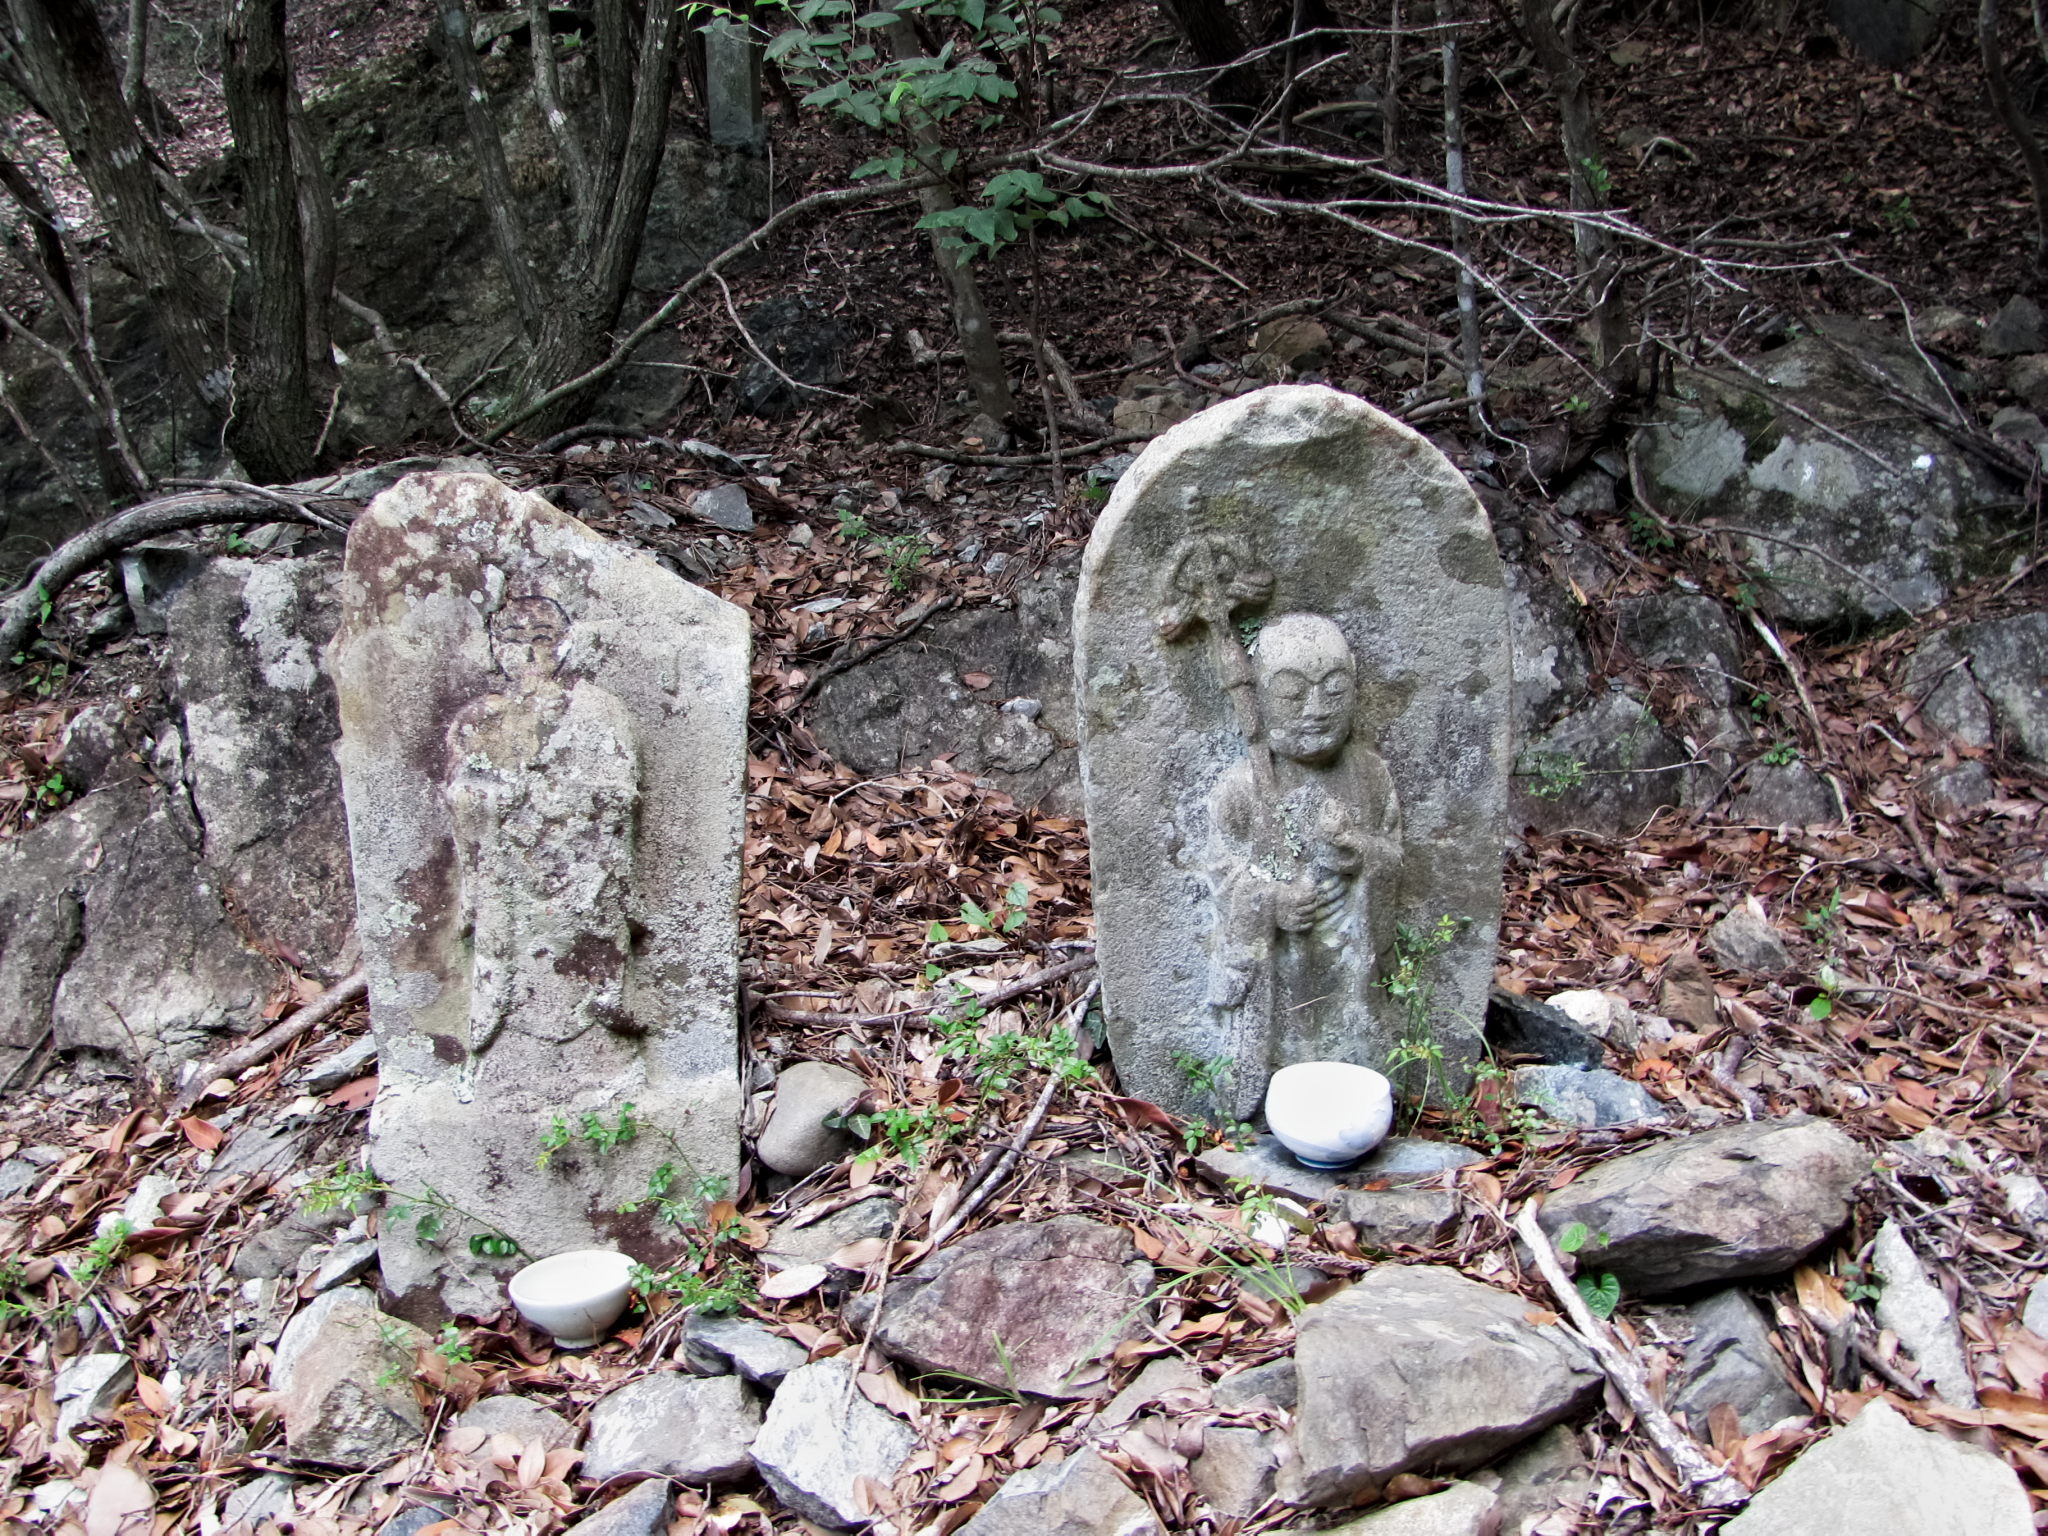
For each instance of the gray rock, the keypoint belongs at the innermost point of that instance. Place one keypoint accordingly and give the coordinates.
(1744, 940)
(1958, 791)
(695, 1429)
(1881, 1474)
(343, 1376)
(257, 1502)
(796, 1140)
(790, 1245)
(415, 1518)
(275, 1249)
(1408, 1157)
(2017, 328)
(1607, 767)
(2027, 377)
(641, 1511)
(1080, 1496)
(637, 1512)
(520, 1417)
(1110, 470)
(1548, 1475)
(1730, 1360)
(1269, 1165)
(725, 506)
(1939, 680)
(1291, 344)
(349, 1257)
(1684, 632)
(1889, 32)
(258, 715)
(1032, 1307)
(17, 1176)
(1521, 1026)
(2005, 656)
(1783, 795)
(355, 1059)
(1390, 1218)
(1549, 655)
(719, 1344)
(90, 1387)
(1362, 553)
(1754, 453)
(909, 705)
(1914, 1307)
(1463, 1509)
(1155, 1381)
(549, 930)
(1589, 1100)
(1421, 1367)
(2035, 1316)
(1274, 1382)
(806, 344)
(819, 1437)
(113, 937)
(1234, 1473)
(1744, 1199)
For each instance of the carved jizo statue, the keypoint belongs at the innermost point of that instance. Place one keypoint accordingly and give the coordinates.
(1293, 861)
(542, 785)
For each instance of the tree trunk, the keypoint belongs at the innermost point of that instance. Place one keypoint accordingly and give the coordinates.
(75, 78)
(1461, 237)
(500, 206)
(1558, 58)
(1217, 41)
(978, 347)
(2017, 125)
(274, 422)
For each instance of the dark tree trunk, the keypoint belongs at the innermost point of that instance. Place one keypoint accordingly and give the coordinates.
(274, 422)
(1213, 34)
(76, 80)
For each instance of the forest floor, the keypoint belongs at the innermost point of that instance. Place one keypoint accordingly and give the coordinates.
(1913, 1015)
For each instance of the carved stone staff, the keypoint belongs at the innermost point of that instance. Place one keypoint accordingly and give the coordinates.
(1209, 580)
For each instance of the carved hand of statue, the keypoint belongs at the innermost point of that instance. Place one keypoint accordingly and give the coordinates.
(1309, 902)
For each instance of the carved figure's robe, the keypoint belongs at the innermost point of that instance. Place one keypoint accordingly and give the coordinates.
(1285, 990)
(543, 790)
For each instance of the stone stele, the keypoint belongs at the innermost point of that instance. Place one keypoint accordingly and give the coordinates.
(543, 753)
(1291, 654)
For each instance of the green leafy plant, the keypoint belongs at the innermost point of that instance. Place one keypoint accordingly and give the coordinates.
(1822, 1005)
(1209, 1078)
(901, 553)
(1821, 921)
(1781, 754)
(1409, 983)
(1576, 406)
(590, 1127)
(1012, 202)
(1899, 213)
(427, 1210)
(1556, 773)
(1648, 532)
(1005, 917)
(1598, 181)
(452, 1347)
(1601, 1291)
(103, 1252)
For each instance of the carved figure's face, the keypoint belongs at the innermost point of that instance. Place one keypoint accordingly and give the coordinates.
(526, 639)
(1308, 688)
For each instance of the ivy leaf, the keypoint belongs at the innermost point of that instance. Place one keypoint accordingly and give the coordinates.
(1602, 1293)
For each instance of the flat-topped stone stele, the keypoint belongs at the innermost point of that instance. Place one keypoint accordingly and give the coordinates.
(543, 746)
(1292, 665)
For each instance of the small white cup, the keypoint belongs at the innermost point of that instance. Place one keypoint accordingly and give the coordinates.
(1329, 1114)
(576, 1296)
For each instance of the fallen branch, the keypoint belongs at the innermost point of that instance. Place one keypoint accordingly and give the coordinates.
(913, 622)
(995, 999)
(21, 612)
(1016, 460)
(1713, 1486)
(351, 988)
(988, 1183)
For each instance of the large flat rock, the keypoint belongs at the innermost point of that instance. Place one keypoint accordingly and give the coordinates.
(1032, 1307)
(820, 1437)
(1743, 1199)
(1881, 1474)
(1423, 1370)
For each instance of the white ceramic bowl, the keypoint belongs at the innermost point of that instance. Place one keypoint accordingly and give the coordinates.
(574, 1296)
(1329, 1114)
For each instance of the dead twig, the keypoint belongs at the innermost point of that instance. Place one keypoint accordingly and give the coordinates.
(1709, 1483)
(995, 999)
(913, 621)
(351, 988)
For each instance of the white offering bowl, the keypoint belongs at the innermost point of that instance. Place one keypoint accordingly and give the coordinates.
(1329, 1113)
(574, 1296)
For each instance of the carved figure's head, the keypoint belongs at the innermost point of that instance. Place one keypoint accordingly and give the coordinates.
(1308, 687)
(528, 638)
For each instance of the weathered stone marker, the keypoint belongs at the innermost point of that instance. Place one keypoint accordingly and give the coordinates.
(732, 83)
(1291, 656)
(543, 754)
